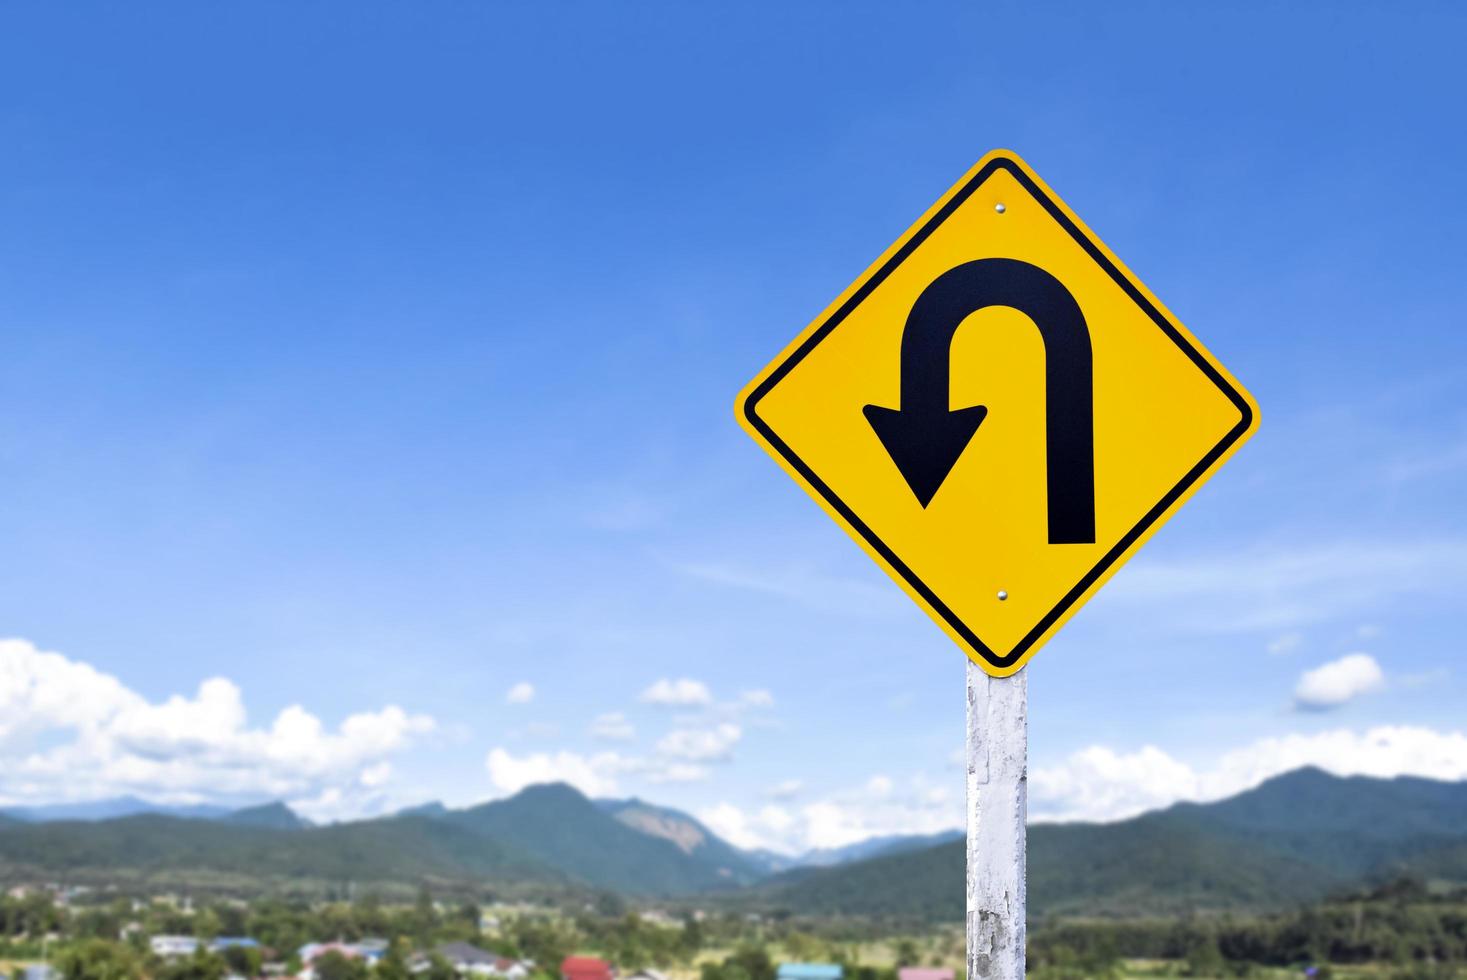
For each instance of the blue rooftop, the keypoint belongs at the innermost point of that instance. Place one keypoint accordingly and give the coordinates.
(810, 971)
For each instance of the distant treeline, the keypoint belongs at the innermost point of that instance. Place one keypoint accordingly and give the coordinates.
(1402, 923)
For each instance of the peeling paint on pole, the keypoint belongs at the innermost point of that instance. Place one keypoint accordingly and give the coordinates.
(998, 806)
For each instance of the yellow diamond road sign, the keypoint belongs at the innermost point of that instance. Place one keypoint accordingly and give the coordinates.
(998, 412)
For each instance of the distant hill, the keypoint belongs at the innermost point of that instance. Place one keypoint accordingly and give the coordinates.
(728, 863)
(149, 847)
(275, 815)
(1294, 838)
(560, 827)
(1351, 826)
(111, 809)
(265, 815)
(433, 809)
(547, 834)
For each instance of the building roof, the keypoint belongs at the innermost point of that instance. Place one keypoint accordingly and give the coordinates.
(466, 953)
(310, 951)
(585, 966)
(810, 971)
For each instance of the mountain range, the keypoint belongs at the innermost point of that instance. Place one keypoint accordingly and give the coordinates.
(1294, 838)
(109, 809)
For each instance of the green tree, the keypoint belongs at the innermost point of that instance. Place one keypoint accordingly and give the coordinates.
(753, 961)
(333, 965)
(438, 969)
(425, 917)
(99, 959)
(804, 947)
(1204, 959)
(393, 965)
(207, 925)
(202, 964)
(690, 940)
(243, 960)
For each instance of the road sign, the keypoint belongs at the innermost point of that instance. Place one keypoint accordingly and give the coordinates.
(998, 412)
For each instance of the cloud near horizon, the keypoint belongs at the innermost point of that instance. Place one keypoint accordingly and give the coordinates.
(1096, 784)
(1099, 783)
(71, 732)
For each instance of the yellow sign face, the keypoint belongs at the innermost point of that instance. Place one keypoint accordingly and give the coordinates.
(998, 412)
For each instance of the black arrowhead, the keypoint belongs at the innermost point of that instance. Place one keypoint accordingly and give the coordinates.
(925, 445)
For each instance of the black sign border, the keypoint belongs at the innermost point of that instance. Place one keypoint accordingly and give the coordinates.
(750, 407)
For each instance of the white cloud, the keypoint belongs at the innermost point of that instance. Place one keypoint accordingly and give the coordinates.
(682, 692)
(666, 771)
(701, 744)
(1099, 783)
(613, 726)
(521, 693)
(768, 827)
(879, 807)
(785, 790)
(597, 774)
(758, 698)
(374, 776)
(41, 691)
(594, 775)
(1332, 684)
(70, 732)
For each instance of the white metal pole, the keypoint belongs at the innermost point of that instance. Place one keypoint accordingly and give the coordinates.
(998, 804)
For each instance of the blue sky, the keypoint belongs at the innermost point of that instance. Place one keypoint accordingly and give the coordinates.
(361, 361)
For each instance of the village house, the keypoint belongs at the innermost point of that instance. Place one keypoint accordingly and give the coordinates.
(585, 968)
(657, 917)
(368, 950)
(170, 946)
(809, 971)
(648, 974)
(470, 960)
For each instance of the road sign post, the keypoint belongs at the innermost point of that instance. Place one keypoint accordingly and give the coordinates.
(997, 802)
(1000, 414)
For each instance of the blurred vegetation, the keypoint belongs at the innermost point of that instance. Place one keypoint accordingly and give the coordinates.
(1403, 930)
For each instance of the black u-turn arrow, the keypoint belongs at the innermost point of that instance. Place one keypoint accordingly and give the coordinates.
(924, 437)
